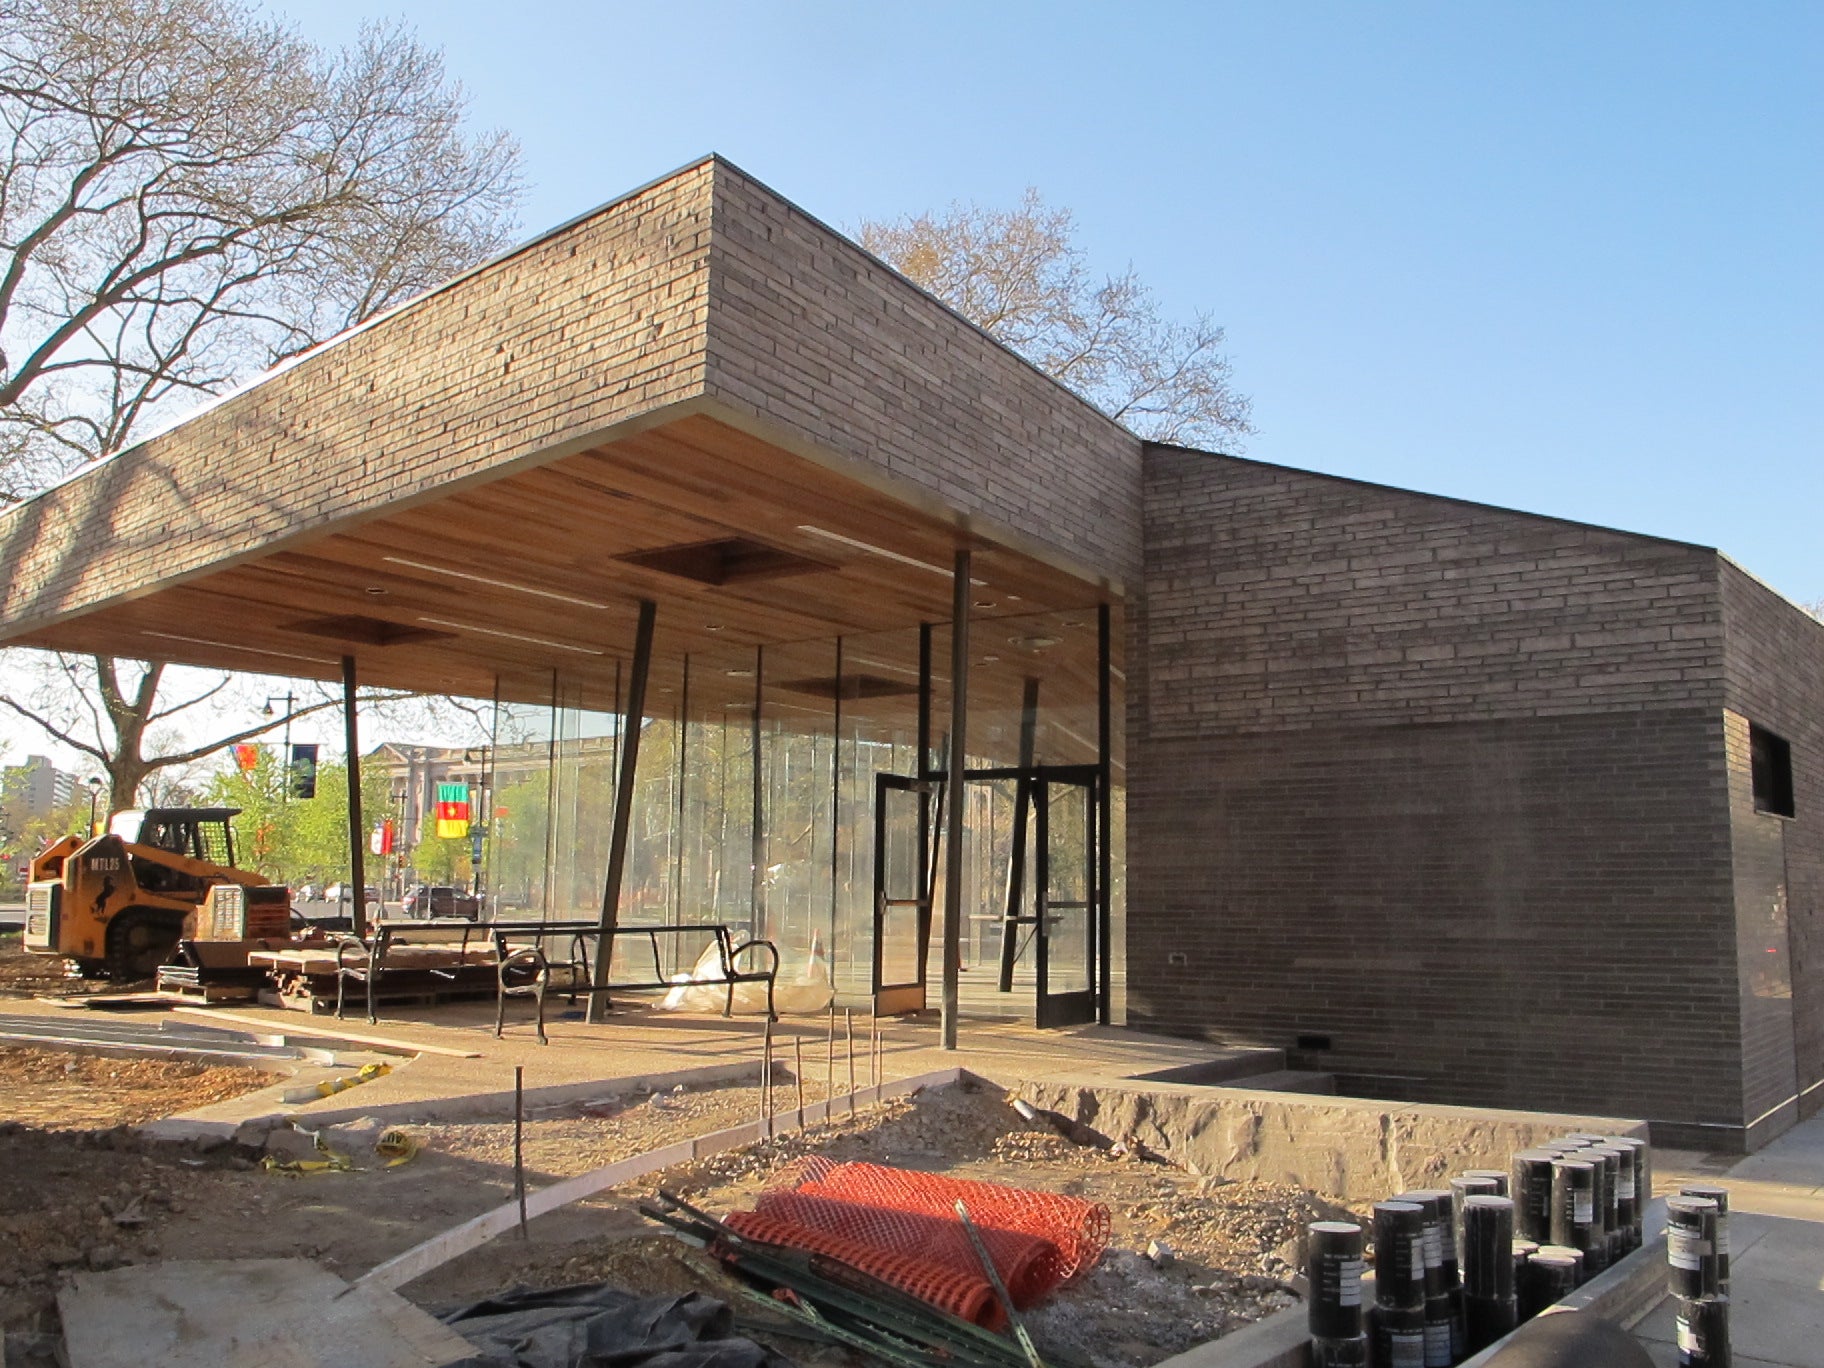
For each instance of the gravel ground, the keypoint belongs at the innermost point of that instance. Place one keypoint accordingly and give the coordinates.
(1233, 1246)
(65, 1090)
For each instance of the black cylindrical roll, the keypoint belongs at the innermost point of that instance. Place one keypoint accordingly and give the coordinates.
(1440, 1321)
(1339, 1353)
(1574, 1206)
(1702, 1332)
(1434, 1222)
(1486, 1319)
(1399, 1254)
(1532, 1194)
(1635, 1184)
(1459, 1341)
(1397, 1336)
(1612, 1159)
(1499, 1176)
(1333, 1268)
(1548, 1277)
(1691, 1247)
(1488, 1247)
(1576, 1257)
(1719, 1195)
(1466, 1185)
(1524, 1249)
(1576, 1140)
(1439, 1199)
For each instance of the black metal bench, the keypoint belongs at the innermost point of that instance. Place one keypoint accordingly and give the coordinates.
(524, 965)
(521, 964)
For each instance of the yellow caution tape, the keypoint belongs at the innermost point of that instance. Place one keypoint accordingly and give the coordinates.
(396, 1147)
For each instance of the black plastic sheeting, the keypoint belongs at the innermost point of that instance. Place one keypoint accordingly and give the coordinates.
(592, 1325)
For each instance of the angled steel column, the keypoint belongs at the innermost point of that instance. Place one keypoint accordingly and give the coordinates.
(357, 828)
(1105, 823)
(1022, 812)
(632, 722)
(953, 783)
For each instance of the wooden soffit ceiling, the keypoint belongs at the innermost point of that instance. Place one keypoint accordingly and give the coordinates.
(738, 542)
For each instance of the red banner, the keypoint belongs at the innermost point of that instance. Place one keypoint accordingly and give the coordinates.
(247, 756)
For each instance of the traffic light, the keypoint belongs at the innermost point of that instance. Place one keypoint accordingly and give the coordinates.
(304, 770)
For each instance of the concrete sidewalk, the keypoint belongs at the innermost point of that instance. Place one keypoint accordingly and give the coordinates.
(1776, 1266)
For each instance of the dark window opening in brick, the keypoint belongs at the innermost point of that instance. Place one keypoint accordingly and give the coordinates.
(1770, 761)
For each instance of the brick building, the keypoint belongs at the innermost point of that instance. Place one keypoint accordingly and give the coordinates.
(1455, 803)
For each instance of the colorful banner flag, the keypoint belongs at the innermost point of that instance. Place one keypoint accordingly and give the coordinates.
(247, 756)
(381, 842)
(452, 810)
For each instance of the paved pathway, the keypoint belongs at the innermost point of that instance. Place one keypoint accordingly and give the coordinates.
(1776, 1272)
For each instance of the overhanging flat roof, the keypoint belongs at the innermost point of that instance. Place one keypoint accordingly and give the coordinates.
(697, 395)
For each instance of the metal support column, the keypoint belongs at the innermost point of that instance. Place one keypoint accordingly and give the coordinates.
(953, 783)
(631, 724)
(1022, 814)
(1105, 795)
(357, 828)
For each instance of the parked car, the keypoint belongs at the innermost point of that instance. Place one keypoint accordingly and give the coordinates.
(339, 893)
(441, 900)
(309, 892)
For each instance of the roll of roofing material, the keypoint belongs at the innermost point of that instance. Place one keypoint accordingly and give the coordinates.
(1488, 1247)
(1397, 1335)
(1532, 1194)
(1701, 1330)
(1340, 1353)
(1440, 1321)
(1719, 1195)
(1549, 1276)
(1333, 1271)
(1692, 1260)
(1399, 1255)
(1574, 1221)
(1462, 1186)
(1487, 1319)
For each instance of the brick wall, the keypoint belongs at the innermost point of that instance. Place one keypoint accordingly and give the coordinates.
(1524, 912)
(1281, 599)
(595, 323)
(1774, 676)
(1442, 782)
(812, 332)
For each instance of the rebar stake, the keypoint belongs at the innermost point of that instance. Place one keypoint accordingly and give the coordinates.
(849, 1014)
(766, 1078)
(798, 1072)
(829, 1073)
(519, 1148)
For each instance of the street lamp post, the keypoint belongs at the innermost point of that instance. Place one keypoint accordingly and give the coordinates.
(288, 699)
(94, 799)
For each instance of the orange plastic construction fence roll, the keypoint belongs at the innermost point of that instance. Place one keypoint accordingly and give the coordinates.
(943, 1287)
(1026, 1263)
(1076, 1229)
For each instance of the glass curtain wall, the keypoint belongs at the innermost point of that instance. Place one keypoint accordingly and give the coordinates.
(756, 789)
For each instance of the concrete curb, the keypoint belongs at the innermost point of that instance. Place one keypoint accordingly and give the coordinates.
(1623, 1294)
(477, 1231)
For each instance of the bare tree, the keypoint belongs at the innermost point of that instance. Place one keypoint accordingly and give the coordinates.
(1019, 275)
(189, 192)
(120, 714)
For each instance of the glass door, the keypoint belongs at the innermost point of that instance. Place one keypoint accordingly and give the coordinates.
(1065, 865)
(904, 837)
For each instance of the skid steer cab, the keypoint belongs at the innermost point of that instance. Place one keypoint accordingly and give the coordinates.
(118, 904)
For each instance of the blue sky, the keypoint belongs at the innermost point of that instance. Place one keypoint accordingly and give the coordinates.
(1562, 257)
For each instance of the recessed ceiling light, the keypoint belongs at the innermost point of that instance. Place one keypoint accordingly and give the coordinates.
(987, 660)
(873, 550)
(712, 626)
(740, 674)
(496, 583)
(237, 646)
(374, 589)
(512, 636)
(982, 603)
(1033, 643)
